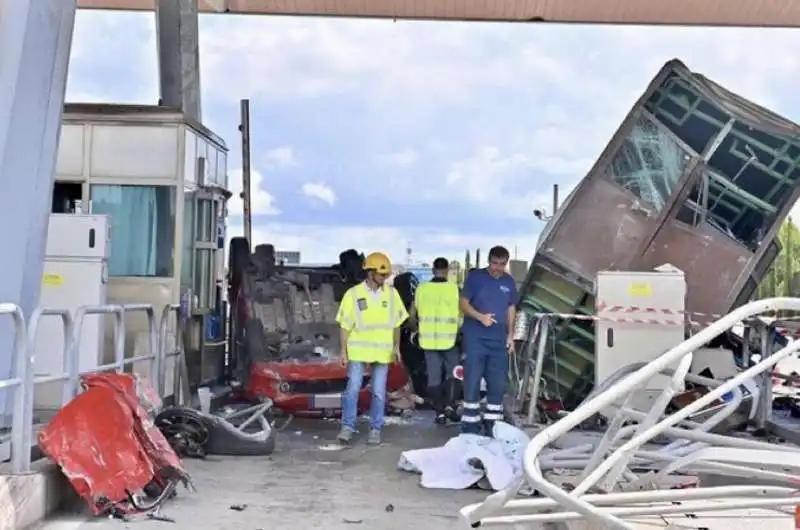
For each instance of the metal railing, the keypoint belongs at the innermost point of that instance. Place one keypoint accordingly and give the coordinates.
(609, 460)
(24, 381)
(17, 383)
(180, 375)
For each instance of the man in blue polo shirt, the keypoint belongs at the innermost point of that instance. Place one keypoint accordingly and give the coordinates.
(488, 301)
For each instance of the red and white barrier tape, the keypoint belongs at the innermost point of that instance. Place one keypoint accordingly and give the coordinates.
(605, 308)
(683, 317)
(619, 320)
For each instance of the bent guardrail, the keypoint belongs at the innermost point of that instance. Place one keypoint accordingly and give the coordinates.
(607, 508)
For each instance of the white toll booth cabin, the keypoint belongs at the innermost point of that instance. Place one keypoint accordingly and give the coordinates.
(162, 180)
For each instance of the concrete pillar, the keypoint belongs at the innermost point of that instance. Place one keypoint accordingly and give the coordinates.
(179, 55)
(35, 41)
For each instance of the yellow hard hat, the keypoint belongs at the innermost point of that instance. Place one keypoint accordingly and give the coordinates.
(378, 262)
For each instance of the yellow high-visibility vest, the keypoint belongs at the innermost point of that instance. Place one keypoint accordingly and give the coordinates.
(371, 319)
(438, 315)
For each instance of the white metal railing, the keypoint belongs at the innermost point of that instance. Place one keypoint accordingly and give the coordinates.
(24, 380)
(171, 314)
(16, 384)
(692, 446)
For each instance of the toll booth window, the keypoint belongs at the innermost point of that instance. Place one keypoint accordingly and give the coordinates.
(648, 163)
(142, 228)
(206, 211)
(187, 252)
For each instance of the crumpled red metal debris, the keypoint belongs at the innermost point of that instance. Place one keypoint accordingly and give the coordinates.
(106, 444)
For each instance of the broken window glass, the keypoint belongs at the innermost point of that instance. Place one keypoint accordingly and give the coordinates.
(721, 204)
(649, 164)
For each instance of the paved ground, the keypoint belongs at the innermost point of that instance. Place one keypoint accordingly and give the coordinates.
(309, 483)
(305, 485)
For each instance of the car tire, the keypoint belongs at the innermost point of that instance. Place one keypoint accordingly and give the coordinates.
(406, 285)
(238, 259)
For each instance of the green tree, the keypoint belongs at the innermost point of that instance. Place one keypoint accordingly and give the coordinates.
(783, 279)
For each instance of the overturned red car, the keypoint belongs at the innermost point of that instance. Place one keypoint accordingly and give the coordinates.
(284, 336)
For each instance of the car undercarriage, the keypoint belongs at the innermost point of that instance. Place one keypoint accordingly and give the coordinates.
(284, 335)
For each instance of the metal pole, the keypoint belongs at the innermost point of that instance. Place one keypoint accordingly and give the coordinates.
(244, 129)
(555, 199)
(789, 257)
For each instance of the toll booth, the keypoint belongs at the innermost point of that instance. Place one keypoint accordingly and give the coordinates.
(696, 177)
(162, 179)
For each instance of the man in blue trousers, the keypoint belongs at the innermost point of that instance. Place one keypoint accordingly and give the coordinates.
(488, 301)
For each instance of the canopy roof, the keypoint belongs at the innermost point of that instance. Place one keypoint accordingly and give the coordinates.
(758, 13)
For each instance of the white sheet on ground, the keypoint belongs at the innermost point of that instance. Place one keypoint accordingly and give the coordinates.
(470, 459)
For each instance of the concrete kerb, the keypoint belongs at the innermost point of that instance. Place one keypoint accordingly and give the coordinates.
(29, 498)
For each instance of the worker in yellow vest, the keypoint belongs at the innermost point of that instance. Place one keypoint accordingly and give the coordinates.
(436, 311)
(370, 316)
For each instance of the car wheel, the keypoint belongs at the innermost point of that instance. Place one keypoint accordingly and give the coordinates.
(238, 259)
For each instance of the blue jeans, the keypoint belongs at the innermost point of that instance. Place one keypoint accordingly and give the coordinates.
(377, 407)
(485, 359)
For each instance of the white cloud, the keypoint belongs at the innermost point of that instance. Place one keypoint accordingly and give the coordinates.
(322, 243)
(124, 70)
(320, 191)
(280, 157)
(481, 118)
(298, 58)
(507, 103)
(505, 180)
(261, 201)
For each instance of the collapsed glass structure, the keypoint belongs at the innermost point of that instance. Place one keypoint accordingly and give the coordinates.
(697, 177)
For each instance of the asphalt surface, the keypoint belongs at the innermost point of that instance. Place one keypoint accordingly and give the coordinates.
(309, 483)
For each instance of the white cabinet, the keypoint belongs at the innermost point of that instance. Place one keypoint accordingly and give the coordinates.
(641, 315)
(75, 274)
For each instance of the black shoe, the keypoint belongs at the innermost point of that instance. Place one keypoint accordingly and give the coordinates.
(441, 418)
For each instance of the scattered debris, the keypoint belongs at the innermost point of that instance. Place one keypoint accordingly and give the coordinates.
(158, 516)
(470, 460)
(331, 447)
(192, 433)
(106, 444)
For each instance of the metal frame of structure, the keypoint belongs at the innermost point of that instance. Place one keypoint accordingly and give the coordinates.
(716, 454)
(755, 13)
(35, 42)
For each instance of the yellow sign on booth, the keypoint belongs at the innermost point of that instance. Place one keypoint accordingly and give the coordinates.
(53, 280)
(640, 290)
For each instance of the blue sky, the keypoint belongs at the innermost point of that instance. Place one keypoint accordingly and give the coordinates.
(371, 134)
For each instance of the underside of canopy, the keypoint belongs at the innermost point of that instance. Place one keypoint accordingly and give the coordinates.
(753, 13)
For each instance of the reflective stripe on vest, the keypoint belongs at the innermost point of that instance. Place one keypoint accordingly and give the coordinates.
(372, 338)
(438, 315)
